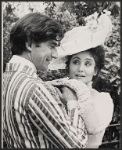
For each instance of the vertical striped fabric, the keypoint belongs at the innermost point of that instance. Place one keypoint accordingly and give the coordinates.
(35, 118)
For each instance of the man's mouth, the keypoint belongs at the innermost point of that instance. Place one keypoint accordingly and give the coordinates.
(48, 60)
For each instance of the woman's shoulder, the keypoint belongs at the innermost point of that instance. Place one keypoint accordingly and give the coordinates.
(105, 106)
(104, 95)
(103, 98)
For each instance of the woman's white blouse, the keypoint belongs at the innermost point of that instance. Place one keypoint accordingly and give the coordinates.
(104, 107)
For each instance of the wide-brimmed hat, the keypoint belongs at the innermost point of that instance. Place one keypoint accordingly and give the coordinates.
(83, 38)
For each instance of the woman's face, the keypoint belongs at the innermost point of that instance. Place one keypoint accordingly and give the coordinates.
(82, 67)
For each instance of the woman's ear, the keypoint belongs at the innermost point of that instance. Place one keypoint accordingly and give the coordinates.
(95, 71)
(28, 46)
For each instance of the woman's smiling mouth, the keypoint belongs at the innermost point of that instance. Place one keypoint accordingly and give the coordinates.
(80, 76)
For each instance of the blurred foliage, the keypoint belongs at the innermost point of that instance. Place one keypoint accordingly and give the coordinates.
(8, 19)
(69, 15)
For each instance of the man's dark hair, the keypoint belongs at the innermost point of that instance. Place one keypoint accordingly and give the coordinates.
(33, 27)
(97, 53)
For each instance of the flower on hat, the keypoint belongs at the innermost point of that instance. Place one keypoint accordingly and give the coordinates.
(91, 21)
(83, 38)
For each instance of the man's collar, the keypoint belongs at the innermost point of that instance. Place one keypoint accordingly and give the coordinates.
(18, 63)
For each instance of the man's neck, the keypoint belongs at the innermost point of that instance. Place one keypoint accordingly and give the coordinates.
(26, 55)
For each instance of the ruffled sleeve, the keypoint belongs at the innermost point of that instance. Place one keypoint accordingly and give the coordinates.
(97, 113)
(104, 106)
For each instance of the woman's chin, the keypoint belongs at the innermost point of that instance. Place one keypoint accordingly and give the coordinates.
(81, 79)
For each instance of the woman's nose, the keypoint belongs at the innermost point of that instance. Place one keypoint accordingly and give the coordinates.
(81, 68)
(54, 53)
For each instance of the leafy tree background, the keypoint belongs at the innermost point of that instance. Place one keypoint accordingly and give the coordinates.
(69, 15)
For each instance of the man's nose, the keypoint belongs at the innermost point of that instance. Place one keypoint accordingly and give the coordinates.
(54, 53)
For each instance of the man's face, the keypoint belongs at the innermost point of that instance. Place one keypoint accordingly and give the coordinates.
(42, 54)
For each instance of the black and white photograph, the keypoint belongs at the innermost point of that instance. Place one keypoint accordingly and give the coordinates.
(61, 74)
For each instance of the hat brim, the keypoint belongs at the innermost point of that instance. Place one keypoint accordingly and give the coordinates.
(81, 39)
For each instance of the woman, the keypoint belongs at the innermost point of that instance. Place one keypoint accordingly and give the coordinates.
(84, 66)
(83, 56)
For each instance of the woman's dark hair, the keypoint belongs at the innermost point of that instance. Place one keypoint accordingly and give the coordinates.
(97, 53)
(33, 27)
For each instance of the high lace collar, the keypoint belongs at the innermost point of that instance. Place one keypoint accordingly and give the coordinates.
(93, 91)
(18, 63)
(90, 85)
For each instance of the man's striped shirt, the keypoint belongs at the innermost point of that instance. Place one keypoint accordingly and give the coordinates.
(33, 115)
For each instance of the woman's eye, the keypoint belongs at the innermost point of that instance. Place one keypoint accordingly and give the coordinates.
(88, 63)
(76, 62)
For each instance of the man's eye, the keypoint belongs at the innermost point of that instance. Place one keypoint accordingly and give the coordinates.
(37, 45)
(52, 47)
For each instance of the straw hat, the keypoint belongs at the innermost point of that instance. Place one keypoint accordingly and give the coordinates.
(83, 38)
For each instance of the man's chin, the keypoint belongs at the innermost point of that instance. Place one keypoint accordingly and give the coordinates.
(42, 71)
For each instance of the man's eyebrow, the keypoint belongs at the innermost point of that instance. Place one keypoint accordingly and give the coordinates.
(55, 43)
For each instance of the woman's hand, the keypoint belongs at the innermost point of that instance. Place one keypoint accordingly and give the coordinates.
(66, 94)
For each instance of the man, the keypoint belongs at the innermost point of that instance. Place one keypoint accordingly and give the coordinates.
(33, 115)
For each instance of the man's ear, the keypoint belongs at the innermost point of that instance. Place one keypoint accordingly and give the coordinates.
(28, 46)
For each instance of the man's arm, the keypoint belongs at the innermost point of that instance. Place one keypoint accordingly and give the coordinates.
(49, 118)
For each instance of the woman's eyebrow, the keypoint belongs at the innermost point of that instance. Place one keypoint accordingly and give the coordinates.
(89, 59)
(76, 58)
